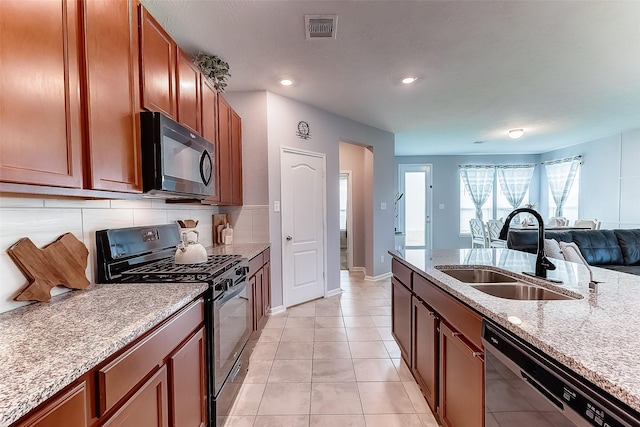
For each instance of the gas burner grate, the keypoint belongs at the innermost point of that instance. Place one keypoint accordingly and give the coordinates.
(167, 270)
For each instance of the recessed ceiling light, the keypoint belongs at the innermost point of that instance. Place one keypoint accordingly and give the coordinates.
(409, 80)
(286, 82)
(516, 133)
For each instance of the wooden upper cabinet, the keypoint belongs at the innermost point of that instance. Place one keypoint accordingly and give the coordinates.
(158, 62)
(188, 82)
(236, 159)
(224, 151)
(112, 95)
(40, 131)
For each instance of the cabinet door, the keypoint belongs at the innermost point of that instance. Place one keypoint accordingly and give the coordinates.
(113, 104)
(188, 386)
(209, 114)
(68, 410)
(158, 62)
(461, 380)
(40, 131)
(266, 288)
(224, 151)
(148, 407)
(401, 318)
(425, 351)
(236, 159)
(256, 294)
(188, 82)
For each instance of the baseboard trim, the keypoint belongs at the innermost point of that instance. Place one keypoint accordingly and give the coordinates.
(277, 310)
(377, 278)
(333, 292)
(358, 269)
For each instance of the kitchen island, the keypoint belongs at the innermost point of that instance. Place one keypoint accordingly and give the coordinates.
(594, 335)
(46, 346)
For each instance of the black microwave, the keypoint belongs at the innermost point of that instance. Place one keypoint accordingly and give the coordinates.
(176, 163)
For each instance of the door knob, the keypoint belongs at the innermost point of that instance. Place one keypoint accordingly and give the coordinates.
(289, 238)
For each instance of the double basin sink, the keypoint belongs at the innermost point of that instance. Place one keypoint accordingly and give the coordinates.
(503, 286)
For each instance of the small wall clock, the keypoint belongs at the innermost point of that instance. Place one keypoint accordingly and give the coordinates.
(303, 130)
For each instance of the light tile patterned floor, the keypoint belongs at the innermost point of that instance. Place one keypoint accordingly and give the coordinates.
(331, 362)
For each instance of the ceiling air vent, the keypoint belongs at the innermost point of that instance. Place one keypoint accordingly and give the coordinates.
(321, 26)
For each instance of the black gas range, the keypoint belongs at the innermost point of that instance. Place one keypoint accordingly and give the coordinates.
(146, 255)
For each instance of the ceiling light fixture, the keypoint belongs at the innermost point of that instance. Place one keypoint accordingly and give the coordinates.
(516, 133)
(409, 80)
(286, 82)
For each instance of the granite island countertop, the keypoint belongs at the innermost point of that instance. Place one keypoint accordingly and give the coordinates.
(46, 346)
(595, 336)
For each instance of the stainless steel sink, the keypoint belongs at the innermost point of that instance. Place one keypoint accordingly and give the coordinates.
(521, 291)
(478, 275)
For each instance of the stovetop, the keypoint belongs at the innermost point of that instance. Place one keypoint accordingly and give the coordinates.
(166, 270)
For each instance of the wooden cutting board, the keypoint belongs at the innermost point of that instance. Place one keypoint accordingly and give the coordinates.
(220, 219)
(63, 262)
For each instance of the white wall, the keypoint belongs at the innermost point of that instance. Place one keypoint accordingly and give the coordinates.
(327, 131)
(45, 219)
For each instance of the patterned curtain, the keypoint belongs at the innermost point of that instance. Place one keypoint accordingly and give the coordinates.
(514, 182)
(478, 180)
(560, 175)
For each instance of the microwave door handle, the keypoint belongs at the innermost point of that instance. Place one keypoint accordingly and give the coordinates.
(206, 167)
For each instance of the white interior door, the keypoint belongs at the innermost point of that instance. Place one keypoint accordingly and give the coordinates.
(303, 230)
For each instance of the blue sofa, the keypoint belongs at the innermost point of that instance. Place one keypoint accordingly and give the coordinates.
(613, 249)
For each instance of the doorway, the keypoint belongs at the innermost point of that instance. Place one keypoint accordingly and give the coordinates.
(415, 206)
(303, 225)
(346, 228)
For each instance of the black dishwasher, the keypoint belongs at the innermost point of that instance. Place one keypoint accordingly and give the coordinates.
(526, 388)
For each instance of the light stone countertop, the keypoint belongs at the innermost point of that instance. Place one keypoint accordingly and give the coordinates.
(595, 336)
(247, 250)
(46, 346)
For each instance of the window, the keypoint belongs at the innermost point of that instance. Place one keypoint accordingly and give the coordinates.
(563, 177)
(570, 207)
(497, 204)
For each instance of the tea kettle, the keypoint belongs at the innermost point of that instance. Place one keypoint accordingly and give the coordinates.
(189, 251)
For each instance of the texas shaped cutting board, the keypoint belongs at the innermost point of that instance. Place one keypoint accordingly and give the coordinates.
(62, 262)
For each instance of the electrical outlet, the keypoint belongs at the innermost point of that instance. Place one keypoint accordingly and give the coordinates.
(276, 206)
(381, 258)
(383, 205)
(441, 206)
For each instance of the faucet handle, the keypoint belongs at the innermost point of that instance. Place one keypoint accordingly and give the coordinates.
(547, 264)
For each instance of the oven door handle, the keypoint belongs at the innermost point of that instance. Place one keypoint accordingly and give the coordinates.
(231, 293)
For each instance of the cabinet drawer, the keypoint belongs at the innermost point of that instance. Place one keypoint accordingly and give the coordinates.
(402, 272)
(119, 377)
(256, 264)
(456, 314)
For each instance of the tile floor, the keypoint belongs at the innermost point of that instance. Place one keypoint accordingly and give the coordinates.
(331, 362)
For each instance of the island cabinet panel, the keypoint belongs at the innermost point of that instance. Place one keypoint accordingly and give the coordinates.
(68, 409)
(401, 309)
(158, 62)
(187, 385)
(148, 407)
(402, 273)
(425, 351)
(266, 288)
(41, 118)
(189, 90)
(461, 380)
(457, 314)
(112, 95)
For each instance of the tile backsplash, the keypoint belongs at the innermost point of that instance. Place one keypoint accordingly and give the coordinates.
(45, 219)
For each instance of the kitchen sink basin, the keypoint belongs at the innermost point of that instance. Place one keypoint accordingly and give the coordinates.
(521, 291)
(478, 275)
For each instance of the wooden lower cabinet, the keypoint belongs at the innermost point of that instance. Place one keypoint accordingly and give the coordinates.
(260, 284)
(188, 385)
(461, 381)
(68, 409)
(401, 308)
(425, 351)
(148, 407)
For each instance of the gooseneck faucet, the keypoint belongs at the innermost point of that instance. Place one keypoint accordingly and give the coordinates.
(542, 262)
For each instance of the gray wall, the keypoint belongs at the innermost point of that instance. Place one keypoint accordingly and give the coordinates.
(609, 179)
(446, 190)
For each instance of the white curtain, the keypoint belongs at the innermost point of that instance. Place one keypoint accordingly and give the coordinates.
(478, 180)
(514, 182)
(560, 175)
